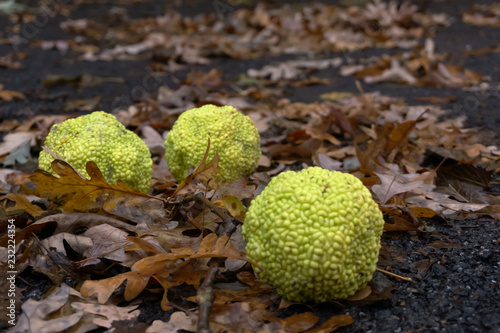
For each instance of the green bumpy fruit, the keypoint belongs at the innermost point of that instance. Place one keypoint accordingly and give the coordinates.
(231, 133)
(100, 137)
(316, 233)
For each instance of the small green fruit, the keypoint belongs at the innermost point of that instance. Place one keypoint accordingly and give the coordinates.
(231, 133)
(100, 137)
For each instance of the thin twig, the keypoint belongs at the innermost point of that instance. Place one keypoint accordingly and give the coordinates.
(407, 279)
(205, 295)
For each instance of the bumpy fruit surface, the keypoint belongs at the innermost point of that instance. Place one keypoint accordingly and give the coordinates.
(231, 133)
(100, 137)
(316, 233)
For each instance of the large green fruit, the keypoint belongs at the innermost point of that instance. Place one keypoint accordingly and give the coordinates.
(316, 233)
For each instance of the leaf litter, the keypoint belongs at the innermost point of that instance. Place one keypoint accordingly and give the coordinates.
(151, 246)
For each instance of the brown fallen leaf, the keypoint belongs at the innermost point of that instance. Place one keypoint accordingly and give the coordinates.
(437, 100)
(32, 130)
(399, 223)
(393, 183)
(303, 150)
(360, 294)
(240, 189)
(326, 162)
(208, 79)
(381, 288)
(467, 173)
(483, 15)
(60, 241)
(105, 315)
(12, 60)
(204, 171)
(491, 210)
(9, 95)
(89, 104)
(292, 70)
(137, 279)
(79, 194)
(66, 222)
(333, 323)
(108, 242)
(300, 322)
(241, 317)
(423, 212)
(336, 95)
(8, 124)
(395, 73)
(24, 204)
(247, 289)
(420, 67)
(422, 266)
(153, 140)
(82, 80)
(445, 206)
(481, 51)
(439, 244)
(391, 256)
(37, 315)
(179, 320)
(235, 207)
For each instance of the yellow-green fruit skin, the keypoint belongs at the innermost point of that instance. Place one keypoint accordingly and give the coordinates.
(100, 137)
(316, 233)
(231, 133)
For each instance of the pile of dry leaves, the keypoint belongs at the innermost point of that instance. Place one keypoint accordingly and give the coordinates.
(108, 249)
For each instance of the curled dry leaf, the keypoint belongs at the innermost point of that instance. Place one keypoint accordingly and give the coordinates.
(36, 315)
(393, 183)
(105, 315)
(58, 242)
(108, 242)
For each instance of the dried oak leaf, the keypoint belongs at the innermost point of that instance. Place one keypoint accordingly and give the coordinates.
(80, 193)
